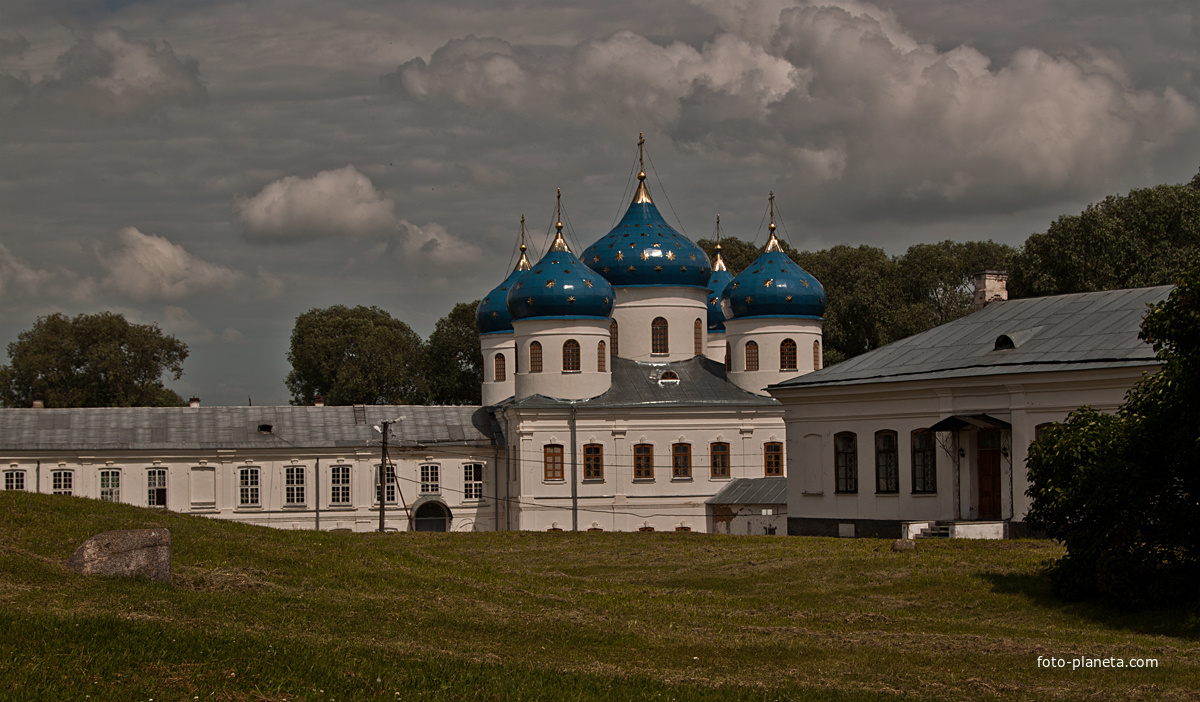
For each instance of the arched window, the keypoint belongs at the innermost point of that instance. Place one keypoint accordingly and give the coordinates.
(552, 461)
(816, 355)
(658, 336)
(643, 462)
(601, 358)
(719, 459)
(773, 459)
(698, 333)
(887, 462)
(570, 356)
(612, 333)
(787, 355)
(499, 374)
(681, 461)
(924, 467)
(845, 461)
(535, 357)
(751, 355)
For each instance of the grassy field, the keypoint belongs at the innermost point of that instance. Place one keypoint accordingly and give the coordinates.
(258, 614)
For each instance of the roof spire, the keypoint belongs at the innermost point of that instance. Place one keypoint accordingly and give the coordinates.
(523, 263)
(642, 196)
(772, 243)
(719, 263)
(559, 244)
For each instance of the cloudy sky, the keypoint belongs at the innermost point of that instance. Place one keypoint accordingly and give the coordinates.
(219, 167)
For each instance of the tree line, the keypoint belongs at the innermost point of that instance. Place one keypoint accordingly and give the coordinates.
(362, 355)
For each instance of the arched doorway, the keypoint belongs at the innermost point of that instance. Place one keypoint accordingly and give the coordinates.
(431, 516)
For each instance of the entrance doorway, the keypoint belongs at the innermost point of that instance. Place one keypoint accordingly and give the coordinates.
(431, 516)
(988, 462)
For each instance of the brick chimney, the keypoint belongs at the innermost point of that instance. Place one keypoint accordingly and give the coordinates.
(38, 402)
(319, 401)
(194, 402)
(990, 286)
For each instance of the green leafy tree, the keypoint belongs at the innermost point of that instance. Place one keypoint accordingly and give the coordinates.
(92, 360)
(1147, 237)
(355, 355)
(937, 281)
(455, 361)
(1123, 492)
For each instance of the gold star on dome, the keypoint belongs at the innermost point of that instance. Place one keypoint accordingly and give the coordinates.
(485, 300)
(683, 269)
(736, 284)
(495, 315)
(749, 300)
(632, 246)
(632, 269)
(712, 300)
(670, 255)
(804, 282)
(549, 283)
(604, 270)
(658, 246)
(789, 298)
(529, 300)
(658, 269)
(571, 299)
(645, 255)
(767, 282)
(620, 256)
(518, 286)
(596, 258)
(692, 256)
(606, 299)
(587, 283)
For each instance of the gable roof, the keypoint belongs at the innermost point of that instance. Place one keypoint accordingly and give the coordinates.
(752, 491)
(702, 383)
(1063, 332)
(184, 428)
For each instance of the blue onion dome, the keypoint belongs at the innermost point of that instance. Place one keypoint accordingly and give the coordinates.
(644, 250)
(560, 285)
(773, 286)
(492, 315)
(716, 285)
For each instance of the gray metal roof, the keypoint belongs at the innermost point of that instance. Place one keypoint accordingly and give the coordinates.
(702, 383)
(182, 428)
(752, 491)
(1065, 332)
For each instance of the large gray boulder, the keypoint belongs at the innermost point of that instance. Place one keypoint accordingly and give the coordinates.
(126, 553)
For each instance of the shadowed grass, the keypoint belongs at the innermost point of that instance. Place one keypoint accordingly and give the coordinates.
(259, 614)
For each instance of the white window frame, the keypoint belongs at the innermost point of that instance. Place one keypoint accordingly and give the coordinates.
(249, 487)
(14, 480)
(110, 485)
(62, 482)
(391, 483)
(431, 479)
(293, 485)
(156, 479)
(473, 481)
(339, 484)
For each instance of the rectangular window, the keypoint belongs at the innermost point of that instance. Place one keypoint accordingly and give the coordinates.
(110, 485)
(430, 479)
(552, 462)
(156, 487)
(391, 484)
(681, 461)
(473, 481)
(248, 485)
(339, 485)
(643, 462)
(773, 459)
(593, 462)
(293, 485)
(62, 482)
(887, 462)
(14, 480)
(845, 460)
(719, 451)
(924, 467)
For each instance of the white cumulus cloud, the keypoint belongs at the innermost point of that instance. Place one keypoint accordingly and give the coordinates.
(147, 267)
(340, 203)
